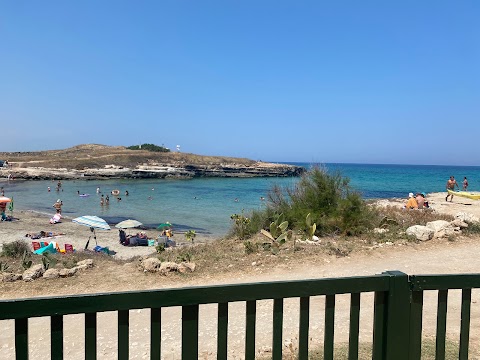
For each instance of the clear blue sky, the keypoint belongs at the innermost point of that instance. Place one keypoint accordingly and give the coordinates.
(325, 81)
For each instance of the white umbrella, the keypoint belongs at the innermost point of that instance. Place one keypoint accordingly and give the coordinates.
(94, 222)
(127, 224)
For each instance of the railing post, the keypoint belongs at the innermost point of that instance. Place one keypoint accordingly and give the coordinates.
(398, 317)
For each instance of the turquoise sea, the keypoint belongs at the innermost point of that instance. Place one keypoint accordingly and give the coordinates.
(206, 204)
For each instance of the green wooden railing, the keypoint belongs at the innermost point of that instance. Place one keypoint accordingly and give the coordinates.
(397, 321)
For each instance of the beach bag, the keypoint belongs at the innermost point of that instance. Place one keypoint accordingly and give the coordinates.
(142, 242)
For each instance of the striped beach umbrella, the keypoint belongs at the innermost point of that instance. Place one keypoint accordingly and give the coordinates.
(92, 221)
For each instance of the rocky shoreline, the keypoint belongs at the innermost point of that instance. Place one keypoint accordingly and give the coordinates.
(158, 171)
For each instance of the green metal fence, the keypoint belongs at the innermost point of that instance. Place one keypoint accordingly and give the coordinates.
(397, 320)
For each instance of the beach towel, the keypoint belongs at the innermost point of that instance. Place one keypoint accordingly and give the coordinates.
(99, 248)
(50, 248)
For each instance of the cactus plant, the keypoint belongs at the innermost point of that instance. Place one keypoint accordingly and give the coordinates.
(27, 264)
(190, 235)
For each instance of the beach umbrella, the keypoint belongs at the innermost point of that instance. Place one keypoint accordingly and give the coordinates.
(93, 222)
(127, 224)
(4, 200)
(164, 225)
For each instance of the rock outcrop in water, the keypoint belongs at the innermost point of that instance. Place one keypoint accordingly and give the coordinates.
(104, 162)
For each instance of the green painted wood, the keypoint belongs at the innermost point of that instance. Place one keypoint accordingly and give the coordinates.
(416, 312)
(190, 332)
(379, 325)
(123, 335)
(354, 326)
(250, 330)
(441, 324)
(465, 324)
(277, 329)
(155, 333)
(21, 339)
(89, 303)
(56, 337)
(222, 331)
(91, 336)
(398, 319)
(445, 282)
(304, 328)
(328, 343)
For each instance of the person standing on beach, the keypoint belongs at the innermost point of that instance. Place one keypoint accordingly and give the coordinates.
(58, 206)
(465, 183)
(451, 186)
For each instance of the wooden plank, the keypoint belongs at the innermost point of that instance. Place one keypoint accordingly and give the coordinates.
(354, 326)
(123, 335)
(416, 318)
(190, 332)
(21, 339)
(277, 329)
(328, 345)
(445, 282)
(379, 326)
(441, 324)
(222, 332)
(250, 330)
(91, 336)
(398, 319)
(56, 337)
(155, 333)
(304, 328)
(465, 324)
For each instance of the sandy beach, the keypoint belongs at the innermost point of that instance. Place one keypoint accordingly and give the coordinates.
(75, 234)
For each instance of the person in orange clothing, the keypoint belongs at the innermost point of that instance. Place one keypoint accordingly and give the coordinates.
(412, 202)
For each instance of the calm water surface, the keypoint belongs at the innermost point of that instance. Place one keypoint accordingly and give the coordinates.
(206, 204)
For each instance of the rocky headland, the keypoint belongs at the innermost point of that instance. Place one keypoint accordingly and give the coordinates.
(106, 162)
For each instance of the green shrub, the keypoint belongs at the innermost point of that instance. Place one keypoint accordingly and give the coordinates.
(328, 198)
(473, 228)
(4, 267)
(15, 249)
(240, 225)
(250, 247)
(184, 256)
(149, 147)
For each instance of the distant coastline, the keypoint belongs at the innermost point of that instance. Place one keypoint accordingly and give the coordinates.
(97, 162)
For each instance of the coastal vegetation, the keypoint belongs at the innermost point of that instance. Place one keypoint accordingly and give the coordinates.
(321, 198)
(149, 147)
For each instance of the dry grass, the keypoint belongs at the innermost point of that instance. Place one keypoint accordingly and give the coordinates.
(97, 156)
(365, 351)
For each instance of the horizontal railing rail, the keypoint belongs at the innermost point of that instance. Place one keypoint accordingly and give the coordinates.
(76, 304)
